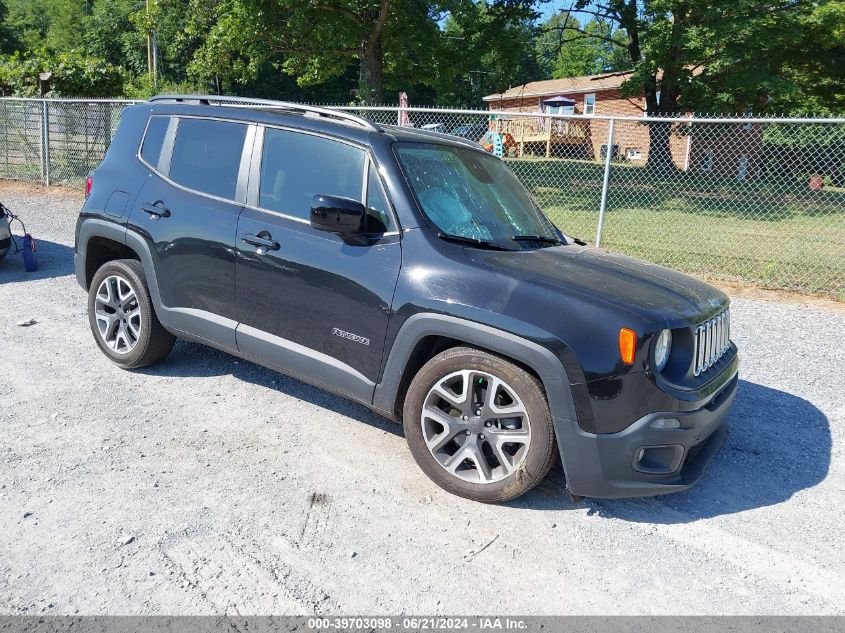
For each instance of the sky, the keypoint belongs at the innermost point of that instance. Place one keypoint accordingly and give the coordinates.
(547, 9)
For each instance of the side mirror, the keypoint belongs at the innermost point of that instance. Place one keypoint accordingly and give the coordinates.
(336, 214)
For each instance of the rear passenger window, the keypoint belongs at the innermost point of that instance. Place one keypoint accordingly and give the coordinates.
(154, 139)
(207, 156)
(297, 166)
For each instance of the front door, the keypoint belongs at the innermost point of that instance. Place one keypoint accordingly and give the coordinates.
(187, 211)
(309, 303)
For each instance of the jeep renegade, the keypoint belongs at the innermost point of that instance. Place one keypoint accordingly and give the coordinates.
(410, 271)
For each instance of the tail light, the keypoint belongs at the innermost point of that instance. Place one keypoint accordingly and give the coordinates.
(89, 182)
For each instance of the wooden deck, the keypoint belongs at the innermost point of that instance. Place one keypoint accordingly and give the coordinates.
(541, 129)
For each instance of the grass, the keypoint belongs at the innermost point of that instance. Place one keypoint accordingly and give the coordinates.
(776, 234)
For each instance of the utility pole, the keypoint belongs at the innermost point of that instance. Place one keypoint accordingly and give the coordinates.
(152, 50)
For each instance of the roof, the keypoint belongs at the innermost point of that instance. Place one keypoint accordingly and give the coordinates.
(563, 86)
(350, 127)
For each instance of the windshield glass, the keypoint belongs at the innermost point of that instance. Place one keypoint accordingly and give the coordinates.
(467, 193)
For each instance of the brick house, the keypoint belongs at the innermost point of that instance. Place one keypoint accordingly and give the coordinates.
(730, 150)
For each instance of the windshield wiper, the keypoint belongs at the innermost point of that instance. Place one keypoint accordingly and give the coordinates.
(546, 239)
(463, 239)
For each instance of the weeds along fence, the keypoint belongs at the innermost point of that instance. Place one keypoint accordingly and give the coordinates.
(758, 200)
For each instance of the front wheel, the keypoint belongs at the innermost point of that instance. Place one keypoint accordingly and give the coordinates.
(478, 425)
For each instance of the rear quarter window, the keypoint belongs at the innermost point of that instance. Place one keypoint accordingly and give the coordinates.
(207, 156)
(154, 139)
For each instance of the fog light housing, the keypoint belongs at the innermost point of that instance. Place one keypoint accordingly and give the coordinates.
(658, 460)
(665, 423)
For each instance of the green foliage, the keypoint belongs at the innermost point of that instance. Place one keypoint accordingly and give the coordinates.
(591, 53)
(143, 87)
(487, 49)
(728, 55)
(111, 35)
(52, 25)
(565, 48)
(8, 41)
(701, 55)
(74, 75)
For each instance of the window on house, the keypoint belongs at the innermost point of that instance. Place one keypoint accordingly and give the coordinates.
(708, 161)
(589, 104)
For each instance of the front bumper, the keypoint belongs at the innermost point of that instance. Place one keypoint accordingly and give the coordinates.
(643, 460)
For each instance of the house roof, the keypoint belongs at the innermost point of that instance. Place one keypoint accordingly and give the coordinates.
(566, 85)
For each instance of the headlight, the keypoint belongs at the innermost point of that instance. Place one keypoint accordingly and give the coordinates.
(662, 349)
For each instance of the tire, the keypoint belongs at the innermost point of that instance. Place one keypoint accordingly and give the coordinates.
(121, 316)
(468, 446)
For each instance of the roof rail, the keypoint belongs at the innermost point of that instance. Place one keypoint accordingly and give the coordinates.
(269, 103)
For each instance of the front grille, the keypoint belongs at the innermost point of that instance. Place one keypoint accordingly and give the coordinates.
(712, 340)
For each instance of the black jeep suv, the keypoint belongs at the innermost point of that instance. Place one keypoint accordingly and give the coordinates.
(409, 271)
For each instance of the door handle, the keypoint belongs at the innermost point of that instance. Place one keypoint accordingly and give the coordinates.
(264, 241)
(156, 209)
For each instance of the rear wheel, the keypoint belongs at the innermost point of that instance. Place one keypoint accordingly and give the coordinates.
(121, 316)
(478, 425)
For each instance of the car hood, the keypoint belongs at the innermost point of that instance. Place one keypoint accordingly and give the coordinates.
(628, 283)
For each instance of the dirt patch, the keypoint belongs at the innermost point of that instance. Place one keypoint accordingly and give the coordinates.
(746, 290)
(38, 189)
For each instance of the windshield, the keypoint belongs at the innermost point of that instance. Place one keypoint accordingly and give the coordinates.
(467, 193)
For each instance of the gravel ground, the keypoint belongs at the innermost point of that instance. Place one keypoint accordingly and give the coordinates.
(210, 485)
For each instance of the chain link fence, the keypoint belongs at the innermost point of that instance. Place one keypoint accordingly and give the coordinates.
(758, 200)
(55, 140)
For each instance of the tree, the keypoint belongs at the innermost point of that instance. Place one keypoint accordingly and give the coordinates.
(562, 51)
(316, 40)
(496, 51)
(390, 43)
(591, 55)
(684, 51)
(812, 65)
(8, 41)
(47, 24)
(74, 74)
(111, 35)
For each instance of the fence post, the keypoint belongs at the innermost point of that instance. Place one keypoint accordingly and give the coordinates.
(45, 143)
(606, 181)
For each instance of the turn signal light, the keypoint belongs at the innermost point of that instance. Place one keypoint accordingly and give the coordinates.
(627, 345)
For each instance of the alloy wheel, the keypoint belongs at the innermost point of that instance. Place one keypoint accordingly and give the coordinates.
(118, 314)
(476, 426)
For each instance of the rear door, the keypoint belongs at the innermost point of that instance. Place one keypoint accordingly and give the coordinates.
(188, 213)
(308, 302)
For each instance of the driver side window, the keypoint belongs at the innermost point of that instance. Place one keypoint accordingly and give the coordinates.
(296, 166)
